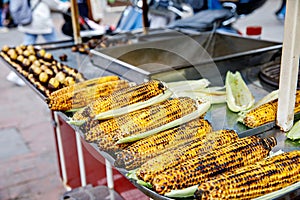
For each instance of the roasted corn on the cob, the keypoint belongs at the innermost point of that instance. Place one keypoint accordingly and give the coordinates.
(200, 168)
(120, 99)
(139, 152)
(74, 97)
(110, 131)
(254, 180)
(266, 113)
(185, 151)
(86, 83)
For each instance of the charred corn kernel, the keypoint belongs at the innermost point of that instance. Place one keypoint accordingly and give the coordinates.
(84, 84)
(110, 131)
(79, 98)
(120, 99)
(266, 113)
(261, 115)
(254, 180)
(184, 152)
(141, 151)
(194, 171)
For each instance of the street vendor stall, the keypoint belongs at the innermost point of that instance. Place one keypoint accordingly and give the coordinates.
(94, 148)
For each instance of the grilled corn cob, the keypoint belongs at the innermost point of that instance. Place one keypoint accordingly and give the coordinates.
(110, 131)
(86, 83)
(120, 99)
(266, 113)
(198, 169)
(141, 151)
(253, 180)
(78, 98)
(184, 152)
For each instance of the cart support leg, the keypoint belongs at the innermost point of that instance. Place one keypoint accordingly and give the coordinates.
(60, 151)
(109, 175)
(80, 160)
(289, 66)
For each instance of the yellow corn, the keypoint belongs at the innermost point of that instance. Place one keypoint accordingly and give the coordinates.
(266, 113)
(141, 151)
(254, 180)
(109, 132)
(87, 83)
(202, 167)
(120, 99)
(184, 152)
(79, 98)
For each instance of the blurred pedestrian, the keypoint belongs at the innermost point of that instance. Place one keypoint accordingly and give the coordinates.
(280, 13)
(41, 24)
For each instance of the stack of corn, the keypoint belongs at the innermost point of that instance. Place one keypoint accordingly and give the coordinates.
(119, 99)
(108, 133)
(184, 152)
(200, 168)
(143, 150)
(80, 94)
(254, 180)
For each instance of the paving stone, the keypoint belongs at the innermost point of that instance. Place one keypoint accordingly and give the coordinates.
(11, 144)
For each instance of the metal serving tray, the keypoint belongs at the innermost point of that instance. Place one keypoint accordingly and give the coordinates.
(181, 57)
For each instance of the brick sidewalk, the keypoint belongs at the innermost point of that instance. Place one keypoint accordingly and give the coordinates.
(28, 162)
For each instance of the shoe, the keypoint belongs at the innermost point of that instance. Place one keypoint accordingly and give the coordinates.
(12, 77)
(3, 29)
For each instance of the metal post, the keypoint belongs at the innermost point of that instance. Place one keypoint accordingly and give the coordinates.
(289, 66)
(60, 151)
(75, 24)
(109, 175)
(80, 160)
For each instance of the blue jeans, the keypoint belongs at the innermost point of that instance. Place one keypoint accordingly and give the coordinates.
(31, 38)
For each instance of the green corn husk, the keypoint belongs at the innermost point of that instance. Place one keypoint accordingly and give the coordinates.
(238, 95)
(294, 133)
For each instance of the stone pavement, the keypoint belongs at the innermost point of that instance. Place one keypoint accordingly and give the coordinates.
(28, 160)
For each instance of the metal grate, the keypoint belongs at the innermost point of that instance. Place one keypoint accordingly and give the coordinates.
(270, 74)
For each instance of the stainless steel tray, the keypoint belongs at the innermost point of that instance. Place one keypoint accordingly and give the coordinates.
(183, 57)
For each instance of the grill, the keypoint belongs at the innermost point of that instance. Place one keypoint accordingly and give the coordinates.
(270, 74)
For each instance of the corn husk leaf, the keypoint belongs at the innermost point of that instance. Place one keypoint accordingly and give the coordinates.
(76, 122)
(202, 108)
(212, 94)
(279, 193)
(137, 106)
(190, 85)
(294, 133)
(184, 193)
(238, 95)
(132, 175)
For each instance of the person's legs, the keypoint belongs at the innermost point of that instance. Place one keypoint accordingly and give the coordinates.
(50, 37)
(29, 39)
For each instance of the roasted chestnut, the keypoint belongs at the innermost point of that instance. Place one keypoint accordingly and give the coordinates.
(60, 76)
(5, 48)
(26, 63)
(48, 56)
(26, 53)
(43, 77)
(20, 58)
(32, 58)
(49, 72)
(69, 81)
(37, 63)
(63, 57)
(41, 53)
(53, 84)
